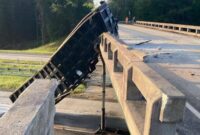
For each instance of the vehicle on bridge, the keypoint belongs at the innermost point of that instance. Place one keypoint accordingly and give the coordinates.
(77, 56)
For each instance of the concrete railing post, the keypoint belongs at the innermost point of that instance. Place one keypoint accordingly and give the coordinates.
(33, 112)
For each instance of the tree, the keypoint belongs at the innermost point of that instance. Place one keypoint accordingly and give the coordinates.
(176, 11)
(42, 20)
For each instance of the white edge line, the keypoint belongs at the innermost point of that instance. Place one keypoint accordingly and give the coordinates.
(193, 110)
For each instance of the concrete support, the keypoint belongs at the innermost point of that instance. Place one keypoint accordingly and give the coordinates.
(33, 112)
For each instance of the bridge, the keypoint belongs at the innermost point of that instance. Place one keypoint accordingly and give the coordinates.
(152, 72)
(153, 67)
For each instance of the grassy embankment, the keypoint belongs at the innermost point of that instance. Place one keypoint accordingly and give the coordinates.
(14, 73)
(48, 48)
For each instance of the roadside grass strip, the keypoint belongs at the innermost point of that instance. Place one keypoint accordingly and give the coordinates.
(14, 73)
(10, 83)
(48, 48)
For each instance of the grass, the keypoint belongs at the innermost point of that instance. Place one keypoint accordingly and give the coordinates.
(80, 89)
(10, 83)
(21, 62)
(48, 48)
(10, 78)
(18, 66)
(9, 64)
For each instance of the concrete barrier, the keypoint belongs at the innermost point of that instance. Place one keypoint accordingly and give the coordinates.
(151, 105)
(178, 28)
(33, 112)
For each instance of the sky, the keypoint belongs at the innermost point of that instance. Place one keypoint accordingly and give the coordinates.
(96, 2)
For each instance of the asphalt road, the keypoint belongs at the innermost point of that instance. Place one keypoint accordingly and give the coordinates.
(24, 56)
(176, 57)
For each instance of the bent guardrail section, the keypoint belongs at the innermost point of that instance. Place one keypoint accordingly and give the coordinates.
(178, 28)
(151, 105)
(33, 113)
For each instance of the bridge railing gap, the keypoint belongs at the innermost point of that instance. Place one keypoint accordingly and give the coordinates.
(151, 105)
(177, 28)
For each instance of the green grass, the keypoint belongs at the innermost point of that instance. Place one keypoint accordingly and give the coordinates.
(22, 64)
(48, 48)
(10, 83)
(17, 66)
(10, 78)
(80, 89)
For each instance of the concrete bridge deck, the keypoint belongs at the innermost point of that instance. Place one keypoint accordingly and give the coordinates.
(175, 57)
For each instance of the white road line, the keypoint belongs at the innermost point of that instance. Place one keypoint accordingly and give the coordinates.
(193, 110)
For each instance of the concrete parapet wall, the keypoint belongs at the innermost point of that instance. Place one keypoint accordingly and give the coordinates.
(178, 28)
(151, 105)
(33, 112)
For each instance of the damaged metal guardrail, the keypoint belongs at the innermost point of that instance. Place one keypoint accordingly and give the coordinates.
(151, 105)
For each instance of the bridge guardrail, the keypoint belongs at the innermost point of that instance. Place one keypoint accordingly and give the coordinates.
(151, 105)
(178, 28)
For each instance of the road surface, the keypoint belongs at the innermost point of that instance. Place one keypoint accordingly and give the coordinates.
(175, 57)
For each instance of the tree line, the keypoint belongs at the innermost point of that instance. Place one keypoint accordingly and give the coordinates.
(170, 11)
(38, 20)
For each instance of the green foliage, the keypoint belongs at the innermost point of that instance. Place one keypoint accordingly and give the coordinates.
(38, 20)
(48, 48)
(176, 11)
(17, 21)
(65, 14)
